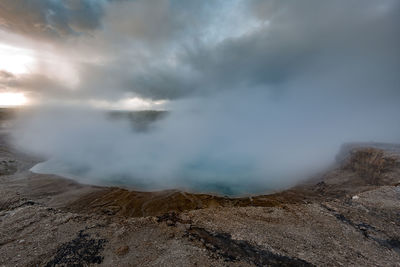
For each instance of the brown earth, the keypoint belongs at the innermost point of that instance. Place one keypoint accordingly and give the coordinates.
(348, 216)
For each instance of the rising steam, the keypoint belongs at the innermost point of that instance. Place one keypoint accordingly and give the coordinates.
(231, 144)
(260, 94)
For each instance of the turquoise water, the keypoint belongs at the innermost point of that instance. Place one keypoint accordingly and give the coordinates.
(202, 176)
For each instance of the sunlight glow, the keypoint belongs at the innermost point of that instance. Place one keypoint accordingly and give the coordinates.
(12, 99)
(15, 60)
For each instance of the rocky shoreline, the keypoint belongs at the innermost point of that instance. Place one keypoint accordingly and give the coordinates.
(348, 216)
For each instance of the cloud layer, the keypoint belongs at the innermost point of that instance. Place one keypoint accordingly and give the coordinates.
(51, 19)
(174, 49)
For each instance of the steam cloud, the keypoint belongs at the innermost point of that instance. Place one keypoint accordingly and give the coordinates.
(253, 107)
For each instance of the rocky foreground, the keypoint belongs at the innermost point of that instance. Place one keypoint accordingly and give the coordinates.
(349, 216)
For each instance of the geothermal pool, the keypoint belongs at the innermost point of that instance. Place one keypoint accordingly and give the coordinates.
(197, 179)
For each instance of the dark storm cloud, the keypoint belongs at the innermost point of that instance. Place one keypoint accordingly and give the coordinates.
(155, 21)
(303, 36)
(149, 20)
(178, 49)
(354, 41)
(132, 35)
(51, 18)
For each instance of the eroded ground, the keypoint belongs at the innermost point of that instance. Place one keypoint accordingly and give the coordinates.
(349, 216)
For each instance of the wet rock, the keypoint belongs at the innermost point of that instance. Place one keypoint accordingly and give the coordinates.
(80, 251)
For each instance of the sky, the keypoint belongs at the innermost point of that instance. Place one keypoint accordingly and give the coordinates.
(112, 52)
(260, 91)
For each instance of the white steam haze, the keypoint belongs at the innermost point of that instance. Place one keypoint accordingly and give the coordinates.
(260, 94)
